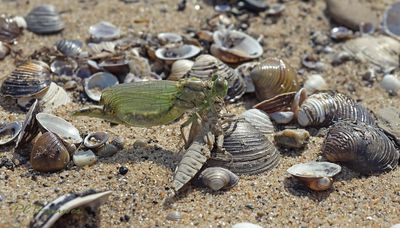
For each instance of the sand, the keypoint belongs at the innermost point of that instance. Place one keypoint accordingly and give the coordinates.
(268, 199)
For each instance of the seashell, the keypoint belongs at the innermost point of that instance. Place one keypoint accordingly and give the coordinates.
(179, 68)
(361, 147)
(44, 19)
(323, 109)
(64, 66)
(174, 216)
(4, 50)
(118, 142)
(30, 128)
(390, 22)
(341, 33)
(278, 103)
(315, 175)
(169, 37)
(49, 154)
(388, 120)
(69, 48)
(232, 46)
(250, 151)
(292, 138)
(21, 22)
(72, 210)
(244, 70)
(9, 132)
(218, 178)
(246, 224)
(390, 83)
(84, 157)
(60, 127)
(206, 66)
(176, 52)
(107, 150)
(96, 139)
(273, 77)
(27, 80)
(312, 61)
(96, 48)
(96, 83)
(315, 83)
(118, 67)
(282, 117)
(9, 30)
(259, 120)
(104, 31)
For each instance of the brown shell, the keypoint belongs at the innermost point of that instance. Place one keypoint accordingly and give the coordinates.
(273, 77)
(250, 150)
(27, 80)
(30, 129)
(360, 147)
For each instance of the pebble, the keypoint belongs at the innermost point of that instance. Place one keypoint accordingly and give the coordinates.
(246, 225)
(118, 142)
(292, 138)
(390, 83)
(174, 216)
(84, 157)
(123, 170)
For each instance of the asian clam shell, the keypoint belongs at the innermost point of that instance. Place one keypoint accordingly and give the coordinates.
(218, 178)
(60, 127)
(259, 119)
(44, 19)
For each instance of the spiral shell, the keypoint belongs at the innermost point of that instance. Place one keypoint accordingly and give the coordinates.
(273, 77)
(323, 109)
(218, 178)
(27, 80)
(207, 66)
(44, 19)
(49, 154)
(250, 151)
(360, 147)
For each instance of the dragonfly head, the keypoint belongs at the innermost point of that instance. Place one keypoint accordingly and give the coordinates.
(220, 86)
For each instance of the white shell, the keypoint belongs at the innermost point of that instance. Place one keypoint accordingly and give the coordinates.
(315, 169)
(169, 37)
(96, 83)
(315, 83)
(44, 19)
(21, 22)
(177, 52)
(390, 83)
(59, 126)
(10, 132)
(260, 120)
(104, 31)
(179, 68)
(95, 48)
(84, 157)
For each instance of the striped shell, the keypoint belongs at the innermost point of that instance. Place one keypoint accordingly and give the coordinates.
(251, 151)
(218, 178)
(44, 19)
(207, 66)
(260, 120)
(361, 147)
(179, 68)
(323, 109)
(273, 77)
(69, 47)
(27, 80)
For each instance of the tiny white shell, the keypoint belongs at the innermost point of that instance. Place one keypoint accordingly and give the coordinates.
(282, 117)
(390, 83)
(315, 83)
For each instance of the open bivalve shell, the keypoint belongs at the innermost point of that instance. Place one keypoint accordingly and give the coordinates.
(315, 175)
(96, 83)
(9, 132)
(96, 139)
(30, 128)
(72, 210)
(60, 127)
(176, 52)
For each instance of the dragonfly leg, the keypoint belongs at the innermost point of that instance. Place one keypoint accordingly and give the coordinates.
(195, 125)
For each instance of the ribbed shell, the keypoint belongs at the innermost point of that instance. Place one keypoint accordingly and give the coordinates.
(44, 19)
(273, 77)
(218, 178)
(260, 120)
(323, 109)
(9, 30)
(26, 80)
(69, 47)
(251, 151)
(207, 66)
(360, 147)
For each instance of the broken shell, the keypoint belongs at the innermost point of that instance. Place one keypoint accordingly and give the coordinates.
(96, 139)
(60, 127)
(9, 132)
(391, 19)
(4, 50)
(260, 120)
(292, 138)
(63, 66)
(9, 30)
(30, 128)
(273, 77)
(75, 209)
(84, 157)
(323, 109)
(360, 147)
(70, 48)
(316, 175)
(278, 103)
(388, 120)
(169, 37)
(207, 66)
(176, 52)
(390, 83)
(218, 178)
(117, 67)
(28, 79)
(96, 48)
(233, 46)
(96, 83)
(49, 154)
(244, 70)
(315, 83)
(44, 19)
(312, 61)
(104, 31)
(250, 151)
(174, 216)
(179, 68)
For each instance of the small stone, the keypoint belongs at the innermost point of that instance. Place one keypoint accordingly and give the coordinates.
(7, 163)
(123, 170)
(139, 143)
(174, 216)
(391, 84)
(118, 142)
(246, 225)
(292, 138)
(84, 157)
(125, 218)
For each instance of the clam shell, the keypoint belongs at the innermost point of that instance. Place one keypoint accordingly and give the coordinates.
(315, 83)
(390, 83)
(391, 18)
(169, 37)
(292, 138)
(278, 103)
(176, 52)
(9, 132)
(388, 120)
(84, 157)
(260, 120)
(70, 48)
(30, 128)
(104, 31)
(218, 178)
(96, 139)
(273, 77)
(233, 46)
(60, 127)
(244, 70)
(96, 83)
(118, 67)
(28, 79)
(9, 30)
(360, 147)
(107, 46)
(64, 66)
(44, 19)
(179, 68)
(50, 214)
(250, 150)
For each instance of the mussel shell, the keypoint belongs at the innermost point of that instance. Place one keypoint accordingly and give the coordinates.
(176, 52)
(250, 150)
(60, 127)
(260, 120)
(315, 169)
(70, 48)
(30, 128)
(273, 77)
(27, 80)
(44, 19)
(360, 147)
(104, 31)
(9, 132)
(53, 211)
(96, 83)
(9, 30)
(100, 138)
(218, 178)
